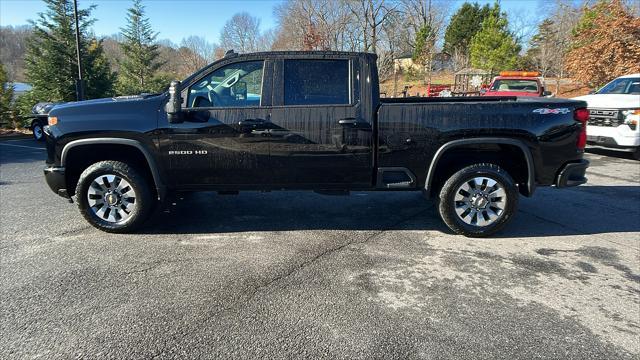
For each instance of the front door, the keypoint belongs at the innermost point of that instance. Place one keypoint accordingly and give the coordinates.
(319, 137)
(222, 140)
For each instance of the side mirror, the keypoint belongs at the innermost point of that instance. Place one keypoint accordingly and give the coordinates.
(547, 93)
(174, 106)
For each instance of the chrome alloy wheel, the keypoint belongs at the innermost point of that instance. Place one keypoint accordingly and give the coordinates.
(480, 201)
(37, 132)
(111, 198)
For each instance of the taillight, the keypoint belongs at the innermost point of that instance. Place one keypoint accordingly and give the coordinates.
(582, 115)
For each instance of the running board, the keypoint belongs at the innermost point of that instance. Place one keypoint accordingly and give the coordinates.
(332, 192)
(395, 178)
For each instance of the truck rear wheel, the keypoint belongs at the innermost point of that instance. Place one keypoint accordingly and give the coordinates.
(114, 197)
(478, 200)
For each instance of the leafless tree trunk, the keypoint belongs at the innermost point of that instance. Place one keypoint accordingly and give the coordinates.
(196, 52)
(241, 33)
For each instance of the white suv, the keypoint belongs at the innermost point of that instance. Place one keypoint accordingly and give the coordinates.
(614, 120)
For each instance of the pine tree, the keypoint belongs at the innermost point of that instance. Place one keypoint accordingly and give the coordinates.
(425, 49)
(465, 23)
(50, 61)
(494, 47)
(544, 48)
(6, 96)
(141, 62)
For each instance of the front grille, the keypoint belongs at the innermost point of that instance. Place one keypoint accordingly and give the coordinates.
(605, 117)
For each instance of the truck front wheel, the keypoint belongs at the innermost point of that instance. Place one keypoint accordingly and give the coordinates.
(478, 200)
(114, 197)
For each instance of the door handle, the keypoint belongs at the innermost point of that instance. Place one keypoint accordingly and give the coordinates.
(348, 121)
(355, 124)
(248, 122)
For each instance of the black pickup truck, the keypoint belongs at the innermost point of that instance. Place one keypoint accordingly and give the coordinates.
(315, 121)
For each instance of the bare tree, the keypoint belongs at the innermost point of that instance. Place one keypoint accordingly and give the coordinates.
(371, 15)
(196, 52)
(420, 13)
(13, 45)
(266, 40)
(241, 33)
(552, 42)
(326, 22)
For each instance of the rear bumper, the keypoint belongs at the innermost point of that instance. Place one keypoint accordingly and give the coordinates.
(572, 174)
(54, 175)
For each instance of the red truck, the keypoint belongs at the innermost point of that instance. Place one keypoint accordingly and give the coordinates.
(517, 83)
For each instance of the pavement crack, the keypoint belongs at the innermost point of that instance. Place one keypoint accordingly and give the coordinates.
(69, 232)
(153, 265)
(247, 296)
(328, 252)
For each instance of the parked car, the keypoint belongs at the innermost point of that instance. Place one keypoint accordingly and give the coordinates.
(38, 119)
(315, 121)
(517, 83)
(615, 114)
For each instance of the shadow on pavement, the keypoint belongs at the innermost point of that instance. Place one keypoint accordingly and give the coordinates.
(22, 151)
(574, 212)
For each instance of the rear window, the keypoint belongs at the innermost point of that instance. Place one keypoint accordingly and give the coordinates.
(515, 85)
(316, 82)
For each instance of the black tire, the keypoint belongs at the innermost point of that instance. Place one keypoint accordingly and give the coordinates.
(143, 197)
(38, 132)
(636, 153)
(447, 204)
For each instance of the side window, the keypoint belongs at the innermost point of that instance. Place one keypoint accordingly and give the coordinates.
(234, 85)
(316, 82)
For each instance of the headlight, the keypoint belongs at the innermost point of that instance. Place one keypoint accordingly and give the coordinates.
(631, 118)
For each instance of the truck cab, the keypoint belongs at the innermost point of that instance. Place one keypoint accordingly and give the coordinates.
(517, 83)
(614, 115)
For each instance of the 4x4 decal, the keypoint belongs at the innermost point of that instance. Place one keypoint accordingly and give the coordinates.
(546, 111)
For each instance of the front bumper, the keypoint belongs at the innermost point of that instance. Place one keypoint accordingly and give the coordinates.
(54, 175)
(621, 136)
(572, 174)
(608, 143)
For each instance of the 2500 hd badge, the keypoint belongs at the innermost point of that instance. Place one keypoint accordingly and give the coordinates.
(188, 152)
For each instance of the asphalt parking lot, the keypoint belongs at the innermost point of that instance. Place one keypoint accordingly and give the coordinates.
(301, 275)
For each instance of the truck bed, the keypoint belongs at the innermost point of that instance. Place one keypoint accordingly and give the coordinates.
(456, 99)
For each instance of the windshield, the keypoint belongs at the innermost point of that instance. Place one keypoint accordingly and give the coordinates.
(515, 85)
(629, 86)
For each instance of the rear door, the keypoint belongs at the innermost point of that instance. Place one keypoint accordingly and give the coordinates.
(319, 136)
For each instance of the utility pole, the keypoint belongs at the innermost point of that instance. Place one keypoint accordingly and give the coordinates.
(79, 82)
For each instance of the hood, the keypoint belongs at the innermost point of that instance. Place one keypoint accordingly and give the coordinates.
(611, 101)
(43, 108)
(118, 99)
(112, 114)
(511, 93)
